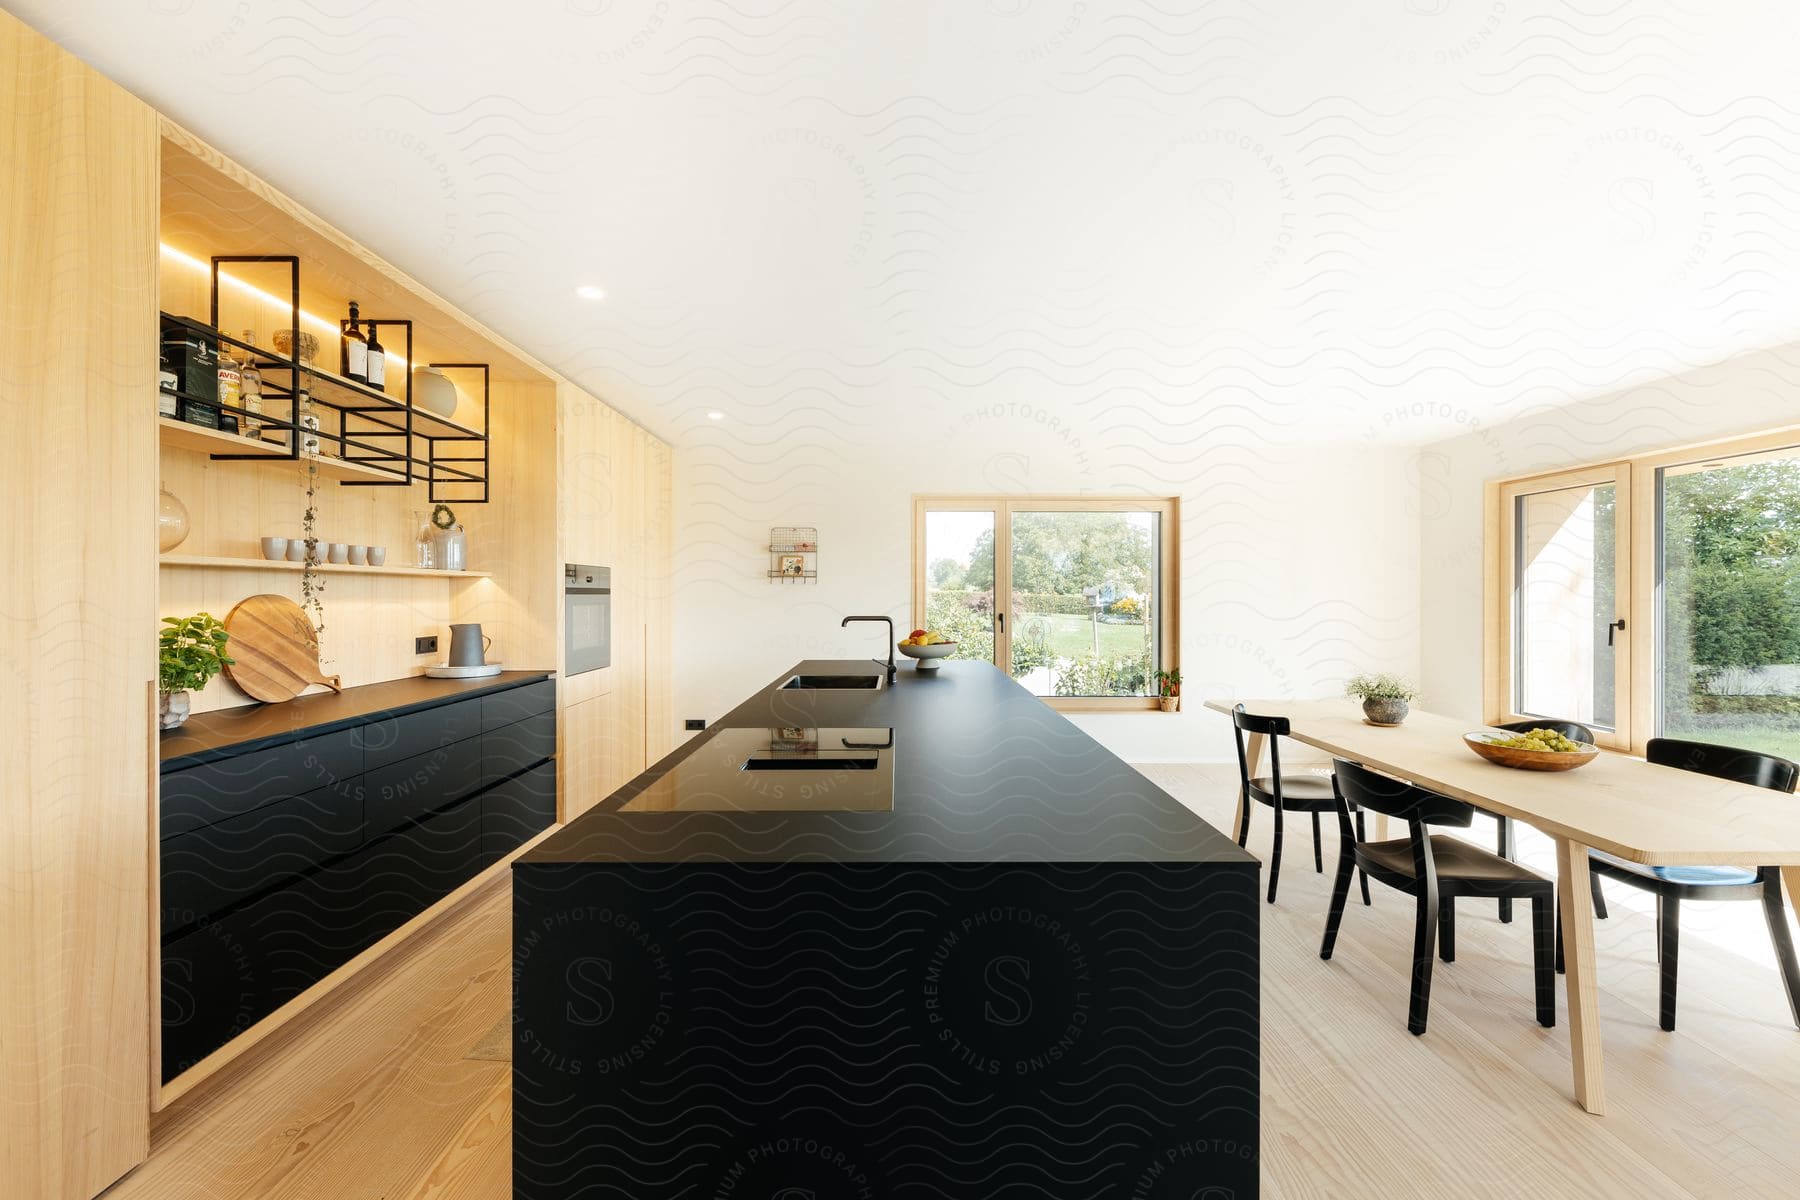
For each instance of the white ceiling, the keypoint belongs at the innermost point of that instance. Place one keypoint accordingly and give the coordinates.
(1389, 220)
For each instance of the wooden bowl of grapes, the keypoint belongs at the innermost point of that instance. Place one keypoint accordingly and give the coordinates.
(1538, 750)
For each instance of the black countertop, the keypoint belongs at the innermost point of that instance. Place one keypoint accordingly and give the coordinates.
(979, 770)
(231, 731)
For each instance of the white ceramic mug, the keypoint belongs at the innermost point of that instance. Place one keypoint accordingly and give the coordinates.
(275, 548)
(377, 556)
(359, 555)
(340, 552)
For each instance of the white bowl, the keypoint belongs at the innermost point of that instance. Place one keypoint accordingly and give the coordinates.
(928, 655)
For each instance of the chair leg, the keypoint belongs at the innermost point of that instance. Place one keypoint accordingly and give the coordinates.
(1560, 968)
(1318, 846)
(1542, 954)
(1507, 848)
(1275, 856)
(1668, 936)
(1363, 875)
(1424, 936)
(1784, 941)
(1243, 816)
(1340, 892)
(1447, 929)
(1599, 896)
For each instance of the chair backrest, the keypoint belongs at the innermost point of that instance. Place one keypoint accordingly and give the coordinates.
(1575, 731)
(1384, 794)
(1250, 722)
(1725, 762)
(1274, 728)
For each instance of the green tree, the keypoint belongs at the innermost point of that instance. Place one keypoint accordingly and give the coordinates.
(947, 574)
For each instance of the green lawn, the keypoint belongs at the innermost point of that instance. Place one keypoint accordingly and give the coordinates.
(1073, 637)
(1785, 742)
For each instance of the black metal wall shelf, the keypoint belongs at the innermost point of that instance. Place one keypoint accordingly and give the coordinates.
(378, 436)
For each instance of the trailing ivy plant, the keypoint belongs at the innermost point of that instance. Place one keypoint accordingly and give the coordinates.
(312, 581)
(190, 651)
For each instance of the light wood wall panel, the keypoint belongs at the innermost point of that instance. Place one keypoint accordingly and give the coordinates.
(77, 582)
(370, 621)
(514, 534)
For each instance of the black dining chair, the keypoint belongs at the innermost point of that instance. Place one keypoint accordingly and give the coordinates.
(1437, 869)
(1508, 846)
(1283, 793)
(1672, 885)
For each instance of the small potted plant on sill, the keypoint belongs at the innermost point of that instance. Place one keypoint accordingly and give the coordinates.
(1168, 690)
(191, 650)
(1383, 697)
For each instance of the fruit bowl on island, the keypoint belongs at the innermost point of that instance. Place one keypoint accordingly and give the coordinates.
(927, 647)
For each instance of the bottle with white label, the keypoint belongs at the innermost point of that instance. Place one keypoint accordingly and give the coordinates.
(250, 390)
(376, 370)
(353, 351)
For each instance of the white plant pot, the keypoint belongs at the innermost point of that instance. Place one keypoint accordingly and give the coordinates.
(172, 708)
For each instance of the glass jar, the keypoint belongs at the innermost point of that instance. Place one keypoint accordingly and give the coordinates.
(424, 543)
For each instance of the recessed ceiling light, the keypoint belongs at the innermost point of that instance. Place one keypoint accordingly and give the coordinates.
(588, 291)
(715, 415)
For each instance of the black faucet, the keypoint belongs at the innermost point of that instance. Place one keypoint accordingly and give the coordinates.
(893, 671)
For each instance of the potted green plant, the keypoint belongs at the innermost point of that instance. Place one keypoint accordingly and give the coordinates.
(191, 650)
(1168, 690)
(1383, 697)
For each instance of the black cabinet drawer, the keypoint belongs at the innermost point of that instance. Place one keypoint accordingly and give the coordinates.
(393, 739)
(406, 790)
(205, 795)
(407, 872)
(228, 974)
(510, 750)
(516, 704)
(515, 811)
(208, 870)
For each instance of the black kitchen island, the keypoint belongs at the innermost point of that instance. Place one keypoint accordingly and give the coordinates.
(925, 940)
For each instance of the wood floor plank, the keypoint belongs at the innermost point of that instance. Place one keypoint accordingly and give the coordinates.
(478, 1165)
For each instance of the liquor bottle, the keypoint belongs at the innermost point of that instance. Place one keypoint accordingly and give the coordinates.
(353, 351)
(231, 380)
(376, 370)
(250, 389)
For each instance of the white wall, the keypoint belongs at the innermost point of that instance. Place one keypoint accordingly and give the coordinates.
(1299, 562)
(1743, 395)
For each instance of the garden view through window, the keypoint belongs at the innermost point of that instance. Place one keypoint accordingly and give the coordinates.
(1729, 637)
(1080, 586)
(1660, 596)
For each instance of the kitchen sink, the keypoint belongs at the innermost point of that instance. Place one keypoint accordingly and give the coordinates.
(831, 683)
(838, 763)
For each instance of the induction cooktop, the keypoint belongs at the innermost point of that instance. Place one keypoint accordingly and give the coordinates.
(779, 769)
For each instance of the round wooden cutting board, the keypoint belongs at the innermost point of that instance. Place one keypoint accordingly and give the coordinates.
(275, 648)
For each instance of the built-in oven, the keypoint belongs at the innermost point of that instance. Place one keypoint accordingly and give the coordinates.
(587, 618)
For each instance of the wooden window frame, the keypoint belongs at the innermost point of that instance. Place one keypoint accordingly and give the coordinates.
(1638, 478)
(1003, 505)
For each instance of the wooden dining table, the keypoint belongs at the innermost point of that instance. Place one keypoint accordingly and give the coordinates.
(1641, 812)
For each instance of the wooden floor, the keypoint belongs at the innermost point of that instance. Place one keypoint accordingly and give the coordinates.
(375, 1098)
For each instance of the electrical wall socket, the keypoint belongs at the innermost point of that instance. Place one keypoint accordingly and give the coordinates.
(425, 645)
(696, 722)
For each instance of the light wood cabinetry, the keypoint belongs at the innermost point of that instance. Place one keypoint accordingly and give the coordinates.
(614, 489)
(111, 213)
(78, 481)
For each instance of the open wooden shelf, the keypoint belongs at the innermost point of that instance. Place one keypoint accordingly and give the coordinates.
(350, 396)
(207, 562)
(184, 436)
